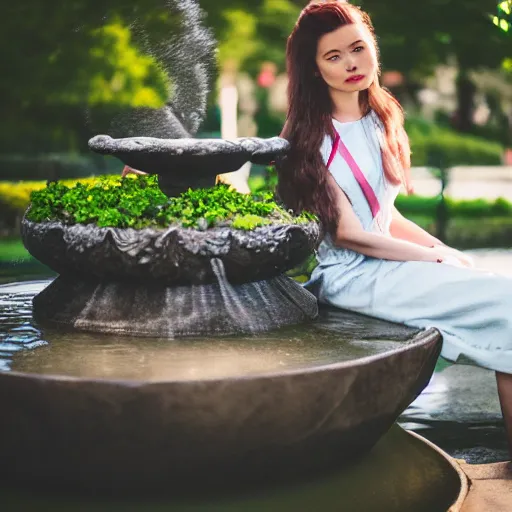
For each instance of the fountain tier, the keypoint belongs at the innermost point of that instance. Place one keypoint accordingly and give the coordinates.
(174, 282)
(186, 162)
(172, 256)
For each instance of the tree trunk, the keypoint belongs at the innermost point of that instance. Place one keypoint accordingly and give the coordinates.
(466, 90)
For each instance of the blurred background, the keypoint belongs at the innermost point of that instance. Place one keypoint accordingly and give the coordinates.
(66, 66)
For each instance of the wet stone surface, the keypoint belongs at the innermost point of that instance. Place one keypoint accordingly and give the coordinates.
(216, 309)
(460, 412)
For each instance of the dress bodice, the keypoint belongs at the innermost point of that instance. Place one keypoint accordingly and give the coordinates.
(363, 140)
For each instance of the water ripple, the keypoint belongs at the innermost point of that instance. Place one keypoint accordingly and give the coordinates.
(18, 331)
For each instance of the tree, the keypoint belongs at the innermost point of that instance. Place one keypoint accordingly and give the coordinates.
(60, 59)
(415, 36)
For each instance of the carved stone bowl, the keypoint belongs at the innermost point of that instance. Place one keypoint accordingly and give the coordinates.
(184, 163)
(172, 256)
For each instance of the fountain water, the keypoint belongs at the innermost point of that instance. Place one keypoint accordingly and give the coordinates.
(261, 387)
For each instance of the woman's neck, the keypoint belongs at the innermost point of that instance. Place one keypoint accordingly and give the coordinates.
(346, 106)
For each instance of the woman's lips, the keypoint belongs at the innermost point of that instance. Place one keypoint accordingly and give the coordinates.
(356, 78)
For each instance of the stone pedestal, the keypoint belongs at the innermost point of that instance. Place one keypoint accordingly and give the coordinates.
(169, 312)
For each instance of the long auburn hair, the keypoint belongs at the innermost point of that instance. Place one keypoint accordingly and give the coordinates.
(303, 177)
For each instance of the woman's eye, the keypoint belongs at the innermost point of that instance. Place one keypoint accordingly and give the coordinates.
(359, 49)
(333, 58)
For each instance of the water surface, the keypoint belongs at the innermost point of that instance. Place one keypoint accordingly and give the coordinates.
(335, 337)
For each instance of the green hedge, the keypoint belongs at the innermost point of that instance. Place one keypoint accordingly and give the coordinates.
(435, 146)
(432, 145)
(474, 208)
(468, 233)
(415, 205)
(56, 166)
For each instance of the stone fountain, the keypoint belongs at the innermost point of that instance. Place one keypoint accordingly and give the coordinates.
(226, 373)
(175, 281)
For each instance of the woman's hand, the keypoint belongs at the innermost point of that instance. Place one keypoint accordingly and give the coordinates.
(452, 256)
(130, 170)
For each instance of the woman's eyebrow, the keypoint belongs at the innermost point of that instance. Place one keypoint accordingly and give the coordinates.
(349, 46)
(331, 51)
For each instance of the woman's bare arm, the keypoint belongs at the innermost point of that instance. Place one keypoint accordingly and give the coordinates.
(404, 229)
(130, 170)
(351, 235)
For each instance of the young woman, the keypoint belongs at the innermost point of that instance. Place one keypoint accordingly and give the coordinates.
(349, 156)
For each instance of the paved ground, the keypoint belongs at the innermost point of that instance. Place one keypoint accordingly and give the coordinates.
(459, 411)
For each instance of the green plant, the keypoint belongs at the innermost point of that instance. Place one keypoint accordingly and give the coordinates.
(417, 205)
(137, 202)
(247, 222)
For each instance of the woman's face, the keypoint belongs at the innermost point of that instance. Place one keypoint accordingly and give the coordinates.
(346, 58)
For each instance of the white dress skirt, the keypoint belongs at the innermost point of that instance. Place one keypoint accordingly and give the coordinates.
(471, 308)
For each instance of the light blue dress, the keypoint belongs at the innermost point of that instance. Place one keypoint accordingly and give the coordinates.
(471, 308)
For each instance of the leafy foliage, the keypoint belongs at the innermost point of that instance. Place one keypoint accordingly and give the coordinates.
(503, 18)
(16, 196)
(137, 202)
(262, 25)
(415, 36)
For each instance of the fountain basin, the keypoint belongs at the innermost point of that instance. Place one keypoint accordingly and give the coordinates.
(402, 473)
(182, 163)
(103, 431)
(188, 156)
(173, 256)
(171, 282)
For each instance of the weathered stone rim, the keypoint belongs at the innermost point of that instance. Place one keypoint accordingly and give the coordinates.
(255, 147)
(173, 255)
(463, 478)
(163, 229)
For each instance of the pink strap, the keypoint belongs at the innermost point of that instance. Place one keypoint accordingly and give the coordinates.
(368, 192)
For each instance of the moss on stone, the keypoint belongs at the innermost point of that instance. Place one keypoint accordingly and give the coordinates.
(137, 202)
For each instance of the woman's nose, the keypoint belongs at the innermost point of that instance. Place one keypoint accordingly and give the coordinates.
(350, 66)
